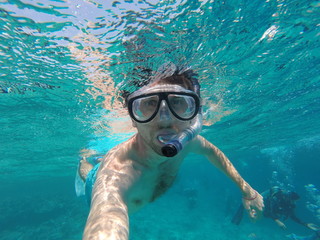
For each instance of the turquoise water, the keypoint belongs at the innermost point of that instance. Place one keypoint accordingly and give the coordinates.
(65, 64)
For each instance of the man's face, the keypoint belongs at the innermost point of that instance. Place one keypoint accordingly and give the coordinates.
(164, 126)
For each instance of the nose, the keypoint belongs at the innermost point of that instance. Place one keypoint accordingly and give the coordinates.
(164, 112)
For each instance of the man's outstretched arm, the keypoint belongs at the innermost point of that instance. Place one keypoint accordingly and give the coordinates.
(252, 200)
(108, 218)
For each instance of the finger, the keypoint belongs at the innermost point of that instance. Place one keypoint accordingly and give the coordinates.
(253, 213)
(245, 203)
(261, 207)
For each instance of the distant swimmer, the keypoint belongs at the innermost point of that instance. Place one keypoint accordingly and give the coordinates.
(167, 115)
(279, 206)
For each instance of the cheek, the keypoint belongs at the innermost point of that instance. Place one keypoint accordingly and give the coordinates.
(134, 124)
(184, 124)
(144, 130)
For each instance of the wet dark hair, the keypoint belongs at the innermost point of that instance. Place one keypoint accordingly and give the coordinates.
(185, 78)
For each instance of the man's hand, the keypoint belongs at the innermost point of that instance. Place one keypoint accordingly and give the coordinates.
(253, 203)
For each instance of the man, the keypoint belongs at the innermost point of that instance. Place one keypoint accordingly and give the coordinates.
(167, 115)
(280, 205)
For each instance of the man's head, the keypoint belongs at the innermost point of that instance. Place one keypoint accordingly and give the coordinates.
(179, 87)
(185, 78)
(165, 107)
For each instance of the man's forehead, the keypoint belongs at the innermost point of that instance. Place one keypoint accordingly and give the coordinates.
(162, 88)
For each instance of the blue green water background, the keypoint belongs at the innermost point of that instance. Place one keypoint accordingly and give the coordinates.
(65, 63)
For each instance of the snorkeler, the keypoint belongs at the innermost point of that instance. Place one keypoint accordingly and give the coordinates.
(167, 115)
(279, 206)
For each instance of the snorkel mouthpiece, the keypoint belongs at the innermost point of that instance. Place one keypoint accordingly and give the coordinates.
(175, 145)
(171, 149)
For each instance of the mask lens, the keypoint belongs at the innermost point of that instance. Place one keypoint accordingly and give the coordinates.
(143, 108)
(184, 106)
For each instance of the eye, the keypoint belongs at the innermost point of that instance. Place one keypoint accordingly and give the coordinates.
(150, 103)
(177, 101)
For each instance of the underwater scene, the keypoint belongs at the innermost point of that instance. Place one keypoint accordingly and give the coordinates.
(66, 65)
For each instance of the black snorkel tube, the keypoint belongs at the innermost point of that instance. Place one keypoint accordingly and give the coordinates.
(175, 145)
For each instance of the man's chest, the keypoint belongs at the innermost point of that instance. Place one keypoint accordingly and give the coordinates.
(147, 187)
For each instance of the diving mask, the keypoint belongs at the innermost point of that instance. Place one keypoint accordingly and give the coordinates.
(144, 104)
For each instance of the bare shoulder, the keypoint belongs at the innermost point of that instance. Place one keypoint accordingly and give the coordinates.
(118, 158)
(117, 164)
(201, 145)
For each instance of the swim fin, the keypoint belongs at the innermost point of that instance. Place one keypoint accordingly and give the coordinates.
(238, 216)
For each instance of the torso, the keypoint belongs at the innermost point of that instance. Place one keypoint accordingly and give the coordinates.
(151, 182)
(144, 182)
